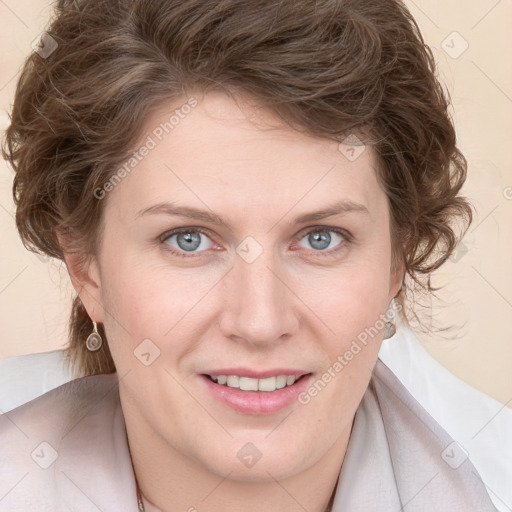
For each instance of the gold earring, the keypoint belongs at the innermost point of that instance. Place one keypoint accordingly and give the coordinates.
(94, 340)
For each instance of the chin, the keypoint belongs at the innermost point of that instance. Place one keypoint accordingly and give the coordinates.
(257, 461)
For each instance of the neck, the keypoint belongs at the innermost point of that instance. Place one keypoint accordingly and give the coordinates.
(145, 506)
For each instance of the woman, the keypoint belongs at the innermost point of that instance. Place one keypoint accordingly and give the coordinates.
(244, 193)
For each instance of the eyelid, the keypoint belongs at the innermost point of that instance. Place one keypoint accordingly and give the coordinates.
(185, 229)
(347, 235)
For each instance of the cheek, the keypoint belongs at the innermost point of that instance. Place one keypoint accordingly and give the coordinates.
(351, 307)
(147, 301)
(348, 301)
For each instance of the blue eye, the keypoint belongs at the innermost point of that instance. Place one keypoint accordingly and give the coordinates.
(320, 239)
(188, 240)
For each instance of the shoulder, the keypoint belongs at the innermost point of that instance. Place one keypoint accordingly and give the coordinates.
(67, 446)
(56, 412)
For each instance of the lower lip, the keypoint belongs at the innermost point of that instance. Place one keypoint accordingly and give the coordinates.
(257, 402)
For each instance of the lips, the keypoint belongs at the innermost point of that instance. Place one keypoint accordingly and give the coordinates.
(257, 374)
(256, 392)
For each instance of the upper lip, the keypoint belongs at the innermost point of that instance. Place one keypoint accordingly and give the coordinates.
(256, 374)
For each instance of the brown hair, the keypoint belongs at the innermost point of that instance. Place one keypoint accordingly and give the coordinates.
(328, 68)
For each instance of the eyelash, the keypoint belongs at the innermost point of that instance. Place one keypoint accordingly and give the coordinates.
(347, 238)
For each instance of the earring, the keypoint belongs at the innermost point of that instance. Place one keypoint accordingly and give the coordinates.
(94, 340)
(389, 326)
(389, 330)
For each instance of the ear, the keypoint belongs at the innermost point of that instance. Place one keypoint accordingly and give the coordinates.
(84, 272)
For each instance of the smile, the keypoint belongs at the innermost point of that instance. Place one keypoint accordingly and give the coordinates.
(256, 396)
(251, 384)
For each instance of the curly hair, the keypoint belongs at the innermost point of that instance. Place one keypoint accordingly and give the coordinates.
(326, 68)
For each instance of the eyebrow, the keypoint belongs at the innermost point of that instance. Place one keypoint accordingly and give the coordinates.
(339, 208)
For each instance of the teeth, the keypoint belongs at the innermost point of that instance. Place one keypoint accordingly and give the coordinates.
(267, 384)
(233, 381)
(280, 381)
(250, 384)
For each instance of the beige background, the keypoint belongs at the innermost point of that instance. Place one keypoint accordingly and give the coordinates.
(35, 293)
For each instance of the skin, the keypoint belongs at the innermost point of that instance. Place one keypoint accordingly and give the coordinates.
(294, 306)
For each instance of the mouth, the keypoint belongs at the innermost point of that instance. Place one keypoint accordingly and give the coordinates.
(256, 395)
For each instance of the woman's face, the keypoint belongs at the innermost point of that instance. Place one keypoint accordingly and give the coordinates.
(263, 293)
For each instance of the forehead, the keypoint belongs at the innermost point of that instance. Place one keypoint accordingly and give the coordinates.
(217, 152)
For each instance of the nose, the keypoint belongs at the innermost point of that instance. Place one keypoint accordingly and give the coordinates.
(260, 307)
